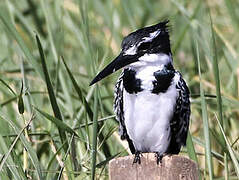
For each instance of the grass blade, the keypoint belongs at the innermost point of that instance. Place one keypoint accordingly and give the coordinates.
(4, 16)
(61, 125)
(231, 152)
(8, 154)
(95, 132)
(180, 38)
(190, 147)
(52, 97)
(205, 122)
(13, 144)
(31, 152)
(15, 171)
(20, 102)
(1, 80)
(216, 75)
(79, 91)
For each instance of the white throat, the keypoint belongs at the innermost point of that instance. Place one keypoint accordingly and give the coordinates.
(156, 60)
(147, 65)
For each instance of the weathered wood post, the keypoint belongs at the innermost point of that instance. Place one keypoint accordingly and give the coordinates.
(173, 167)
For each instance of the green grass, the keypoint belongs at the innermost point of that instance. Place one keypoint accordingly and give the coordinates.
(55, 126)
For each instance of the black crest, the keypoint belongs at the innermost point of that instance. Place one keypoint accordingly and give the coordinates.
(160, 43)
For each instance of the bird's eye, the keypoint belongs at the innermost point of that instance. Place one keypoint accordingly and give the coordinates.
(144, 46)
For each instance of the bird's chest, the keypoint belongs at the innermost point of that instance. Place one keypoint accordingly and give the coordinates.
(148, 110)
(147, 119)
(153, 79)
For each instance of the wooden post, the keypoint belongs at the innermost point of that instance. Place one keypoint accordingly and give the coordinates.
(173, 167)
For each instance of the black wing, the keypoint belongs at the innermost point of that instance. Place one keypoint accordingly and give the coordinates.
(119, 111)
(180, 121)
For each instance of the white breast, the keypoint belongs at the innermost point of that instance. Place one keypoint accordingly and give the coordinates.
(147, 118)
(146, 76)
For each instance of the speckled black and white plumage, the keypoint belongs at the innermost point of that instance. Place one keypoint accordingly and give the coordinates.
(151, 98)
(179, 122)
(118, 109)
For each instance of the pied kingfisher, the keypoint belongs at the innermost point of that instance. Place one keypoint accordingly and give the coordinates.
(151, 98)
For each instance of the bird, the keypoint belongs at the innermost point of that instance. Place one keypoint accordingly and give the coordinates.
(151, 98)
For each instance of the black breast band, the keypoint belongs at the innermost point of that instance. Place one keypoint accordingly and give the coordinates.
(163, 80)
(131, 84)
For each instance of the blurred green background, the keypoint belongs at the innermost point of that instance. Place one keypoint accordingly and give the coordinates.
(54, 126)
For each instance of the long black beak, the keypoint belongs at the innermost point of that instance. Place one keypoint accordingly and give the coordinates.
(116, 64)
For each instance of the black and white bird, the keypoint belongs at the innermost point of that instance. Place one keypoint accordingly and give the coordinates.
(151, 98)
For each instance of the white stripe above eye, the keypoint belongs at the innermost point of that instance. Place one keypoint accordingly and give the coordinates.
(131, 51)
(151, 36)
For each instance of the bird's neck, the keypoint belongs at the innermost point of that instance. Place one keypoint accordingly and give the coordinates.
(153, 61)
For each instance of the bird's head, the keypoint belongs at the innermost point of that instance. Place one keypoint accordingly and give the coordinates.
(143, 45)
